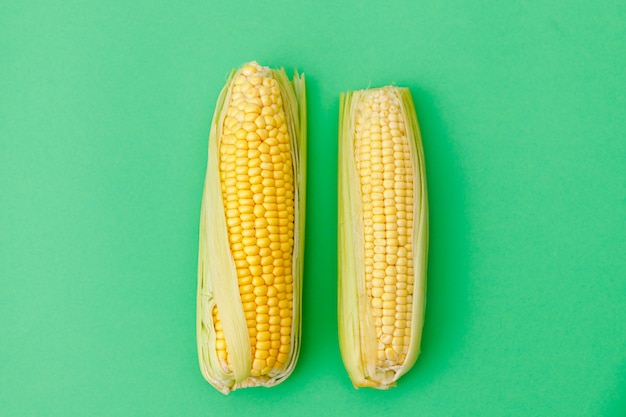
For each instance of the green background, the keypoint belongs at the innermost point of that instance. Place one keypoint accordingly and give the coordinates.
(105, 109)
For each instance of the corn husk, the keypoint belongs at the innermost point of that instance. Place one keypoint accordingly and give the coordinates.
(217, 277)
(357, 335)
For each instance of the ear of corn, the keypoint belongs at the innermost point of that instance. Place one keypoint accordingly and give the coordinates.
(383, 235)
(252, 231)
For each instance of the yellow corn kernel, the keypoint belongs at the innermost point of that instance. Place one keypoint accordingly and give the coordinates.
(383, 235)
(251, 161)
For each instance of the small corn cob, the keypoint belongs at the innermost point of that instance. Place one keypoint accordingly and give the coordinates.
(252, 231)
(383, 235)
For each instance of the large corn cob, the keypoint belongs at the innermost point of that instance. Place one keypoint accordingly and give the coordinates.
(252, 231)
(383, 235)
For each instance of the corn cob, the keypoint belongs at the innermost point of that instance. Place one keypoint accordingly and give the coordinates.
(383, 235)
(252, 231)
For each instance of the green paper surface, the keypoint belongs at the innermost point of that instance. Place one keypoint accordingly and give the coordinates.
(105, 110)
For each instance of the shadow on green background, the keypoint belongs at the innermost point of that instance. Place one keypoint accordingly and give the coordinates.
(448, 307)
(320, 270)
